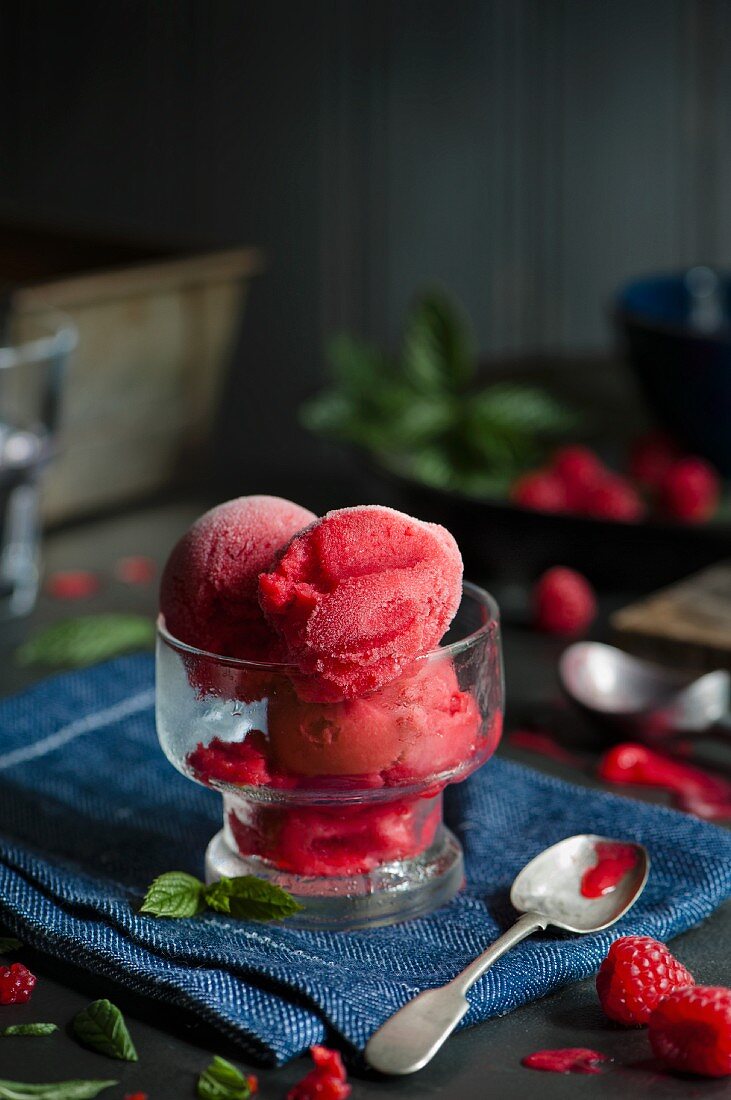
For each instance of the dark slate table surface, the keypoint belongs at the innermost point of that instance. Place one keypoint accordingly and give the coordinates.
(174, 1046)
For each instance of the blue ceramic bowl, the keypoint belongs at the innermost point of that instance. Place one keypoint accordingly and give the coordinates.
(684, 373)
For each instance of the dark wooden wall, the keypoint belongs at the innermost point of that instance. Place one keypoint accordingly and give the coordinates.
(531, 153)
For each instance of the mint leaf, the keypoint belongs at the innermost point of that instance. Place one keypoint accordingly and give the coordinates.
(9, 943)
(101, 1026)
(174, 894)
(177, 894)
(250, 898)
(514, 407)
(58, 1090)
(87, 639)
(437, 351)
(222, 1081)
(27, 1029)
(355, 366)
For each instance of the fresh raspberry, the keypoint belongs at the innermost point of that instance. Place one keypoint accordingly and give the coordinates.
(635, 976)
(135, 1096)
(327, 1081)
(689, 490)
(580, 469)
(540, 490)
(690, 1031)
(563, 602)
(16, 984)
(651, 457)
(613, 498)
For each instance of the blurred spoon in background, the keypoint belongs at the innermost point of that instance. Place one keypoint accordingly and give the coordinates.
(640, 696)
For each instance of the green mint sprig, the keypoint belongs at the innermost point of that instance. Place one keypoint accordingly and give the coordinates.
(57, 1090)
(9, 943)
(177, 894)
(101, 1027)
(222, 1081)
(423, 412)
(87, 639)
(27, 1029)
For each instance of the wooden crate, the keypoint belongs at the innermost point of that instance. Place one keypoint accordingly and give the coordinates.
(144, 382)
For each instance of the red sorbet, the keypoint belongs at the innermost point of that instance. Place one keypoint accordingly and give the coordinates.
(342, 840)
(421, 723)
(208, 594)
(358, 595)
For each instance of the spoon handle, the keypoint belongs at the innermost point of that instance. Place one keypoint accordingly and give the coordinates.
(410, 1038)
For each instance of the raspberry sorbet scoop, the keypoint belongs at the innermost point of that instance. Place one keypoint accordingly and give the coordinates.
(358, 595)
(209, 592)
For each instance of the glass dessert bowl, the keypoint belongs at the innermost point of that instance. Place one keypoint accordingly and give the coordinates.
(338, 803)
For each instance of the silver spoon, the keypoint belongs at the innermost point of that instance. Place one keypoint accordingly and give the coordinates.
(547, 891)
(632, 692)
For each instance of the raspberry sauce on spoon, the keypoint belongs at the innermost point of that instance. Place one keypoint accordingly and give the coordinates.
(613, 862)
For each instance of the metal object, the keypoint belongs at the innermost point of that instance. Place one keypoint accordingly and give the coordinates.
(635, 693)
(705, 297)
(547, 891)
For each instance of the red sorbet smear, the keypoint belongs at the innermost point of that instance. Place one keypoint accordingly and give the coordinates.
(694, 790)
(542, 744)
(358, 595)
(72, 584)
(327, 1081)
(208, 593)
(566, 1060)
(136, 569)
(613, 863)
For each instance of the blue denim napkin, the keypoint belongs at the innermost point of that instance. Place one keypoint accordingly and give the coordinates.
(91, 812)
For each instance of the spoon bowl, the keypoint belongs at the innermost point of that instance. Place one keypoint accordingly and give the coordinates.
(633, 693)
(551, 885)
